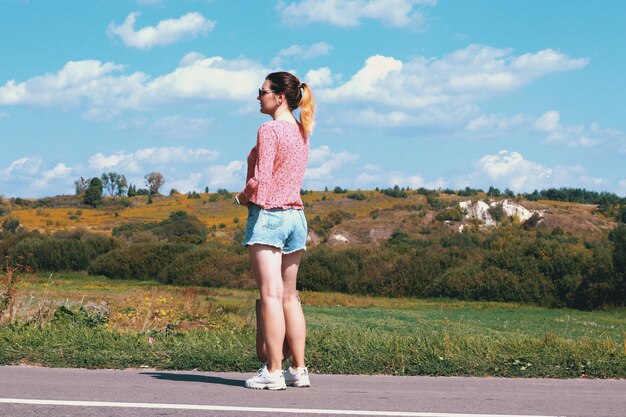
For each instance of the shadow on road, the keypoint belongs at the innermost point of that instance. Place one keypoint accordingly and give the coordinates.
(195, 378)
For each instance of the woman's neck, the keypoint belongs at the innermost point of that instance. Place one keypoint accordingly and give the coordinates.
(284, 114)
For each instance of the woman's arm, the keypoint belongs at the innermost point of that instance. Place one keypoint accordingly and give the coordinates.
(258, 188)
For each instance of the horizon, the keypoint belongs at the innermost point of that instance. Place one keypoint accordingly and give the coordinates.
(414, 93)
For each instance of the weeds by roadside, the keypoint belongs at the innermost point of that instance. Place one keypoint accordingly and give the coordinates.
(82, 321)
(9, 278)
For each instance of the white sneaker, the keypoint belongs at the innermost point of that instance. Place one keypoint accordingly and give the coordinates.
(264, 379)
(297, 377)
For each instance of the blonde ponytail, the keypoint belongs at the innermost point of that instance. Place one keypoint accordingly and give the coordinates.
(307, 110)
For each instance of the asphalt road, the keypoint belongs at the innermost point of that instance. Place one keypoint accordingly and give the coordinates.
(51, 392)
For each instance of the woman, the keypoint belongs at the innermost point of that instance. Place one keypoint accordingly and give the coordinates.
(276, 231)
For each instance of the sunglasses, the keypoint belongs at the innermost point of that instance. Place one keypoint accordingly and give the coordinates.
(264, 92)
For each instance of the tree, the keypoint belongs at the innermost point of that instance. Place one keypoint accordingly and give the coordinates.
(132, 191)
(618, 237)
(114, 183)
(81, 185)
(493, 192)
(154, 181)
(93, 194)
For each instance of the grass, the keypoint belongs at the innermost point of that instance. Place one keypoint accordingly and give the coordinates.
(74, 320)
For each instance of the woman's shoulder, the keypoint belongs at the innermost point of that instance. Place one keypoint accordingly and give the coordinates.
(279, 128)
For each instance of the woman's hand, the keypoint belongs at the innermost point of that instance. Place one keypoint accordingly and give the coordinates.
(242, 199)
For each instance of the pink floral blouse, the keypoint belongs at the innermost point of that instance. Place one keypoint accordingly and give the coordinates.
(276, 166)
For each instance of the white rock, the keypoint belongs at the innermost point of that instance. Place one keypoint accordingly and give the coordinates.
(480, 210)
(477, 210)
(514, 209)
(339, 238)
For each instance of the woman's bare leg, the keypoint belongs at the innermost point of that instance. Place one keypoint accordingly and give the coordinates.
(294, 317)
(266, 265)
(261, 353)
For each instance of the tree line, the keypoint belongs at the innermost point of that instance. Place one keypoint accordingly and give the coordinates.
(507, 263)
(93, 189)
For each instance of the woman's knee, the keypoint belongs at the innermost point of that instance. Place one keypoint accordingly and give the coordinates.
(272, 292)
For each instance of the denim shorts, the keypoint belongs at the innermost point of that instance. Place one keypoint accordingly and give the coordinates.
(285, 229)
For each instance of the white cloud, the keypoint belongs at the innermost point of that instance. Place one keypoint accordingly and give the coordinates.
(370, 180)
(369, 117)
(59, 172)
(105, 94)
(147, 159)
(622, 187)
(349, 13)
(494, 123)
(440, 92)
(512, 170)
(431, 117)
(27, 166)
(191, 58)
(323, 163)
(423, 91)
(548, 122)
(229, 176)
(3, 115)
(575, 136)
(462, 77)
(180, 127)
(191, 183)
(206, 79)
(66, 87)
(165, 32)
(321, 77)
(306, 52)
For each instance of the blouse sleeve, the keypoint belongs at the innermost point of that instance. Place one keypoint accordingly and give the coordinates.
(258, 187)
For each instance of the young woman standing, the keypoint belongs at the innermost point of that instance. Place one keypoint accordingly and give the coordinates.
(276, 231)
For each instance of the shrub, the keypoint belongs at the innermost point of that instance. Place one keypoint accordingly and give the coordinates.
(11, 225)
(179, 227)
(211, 265)
(599, 285)
(357, 196)
(427, 192)
(324, 269)
(141, 261)
(496, 212)
(436, 203)
(62, 252)
(395, 192)
(450, 214)
(468, 192)
(532, 221)
(322, 225)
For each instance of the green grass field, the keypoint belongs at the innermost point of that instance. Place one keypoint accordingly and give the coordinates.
(213, 329)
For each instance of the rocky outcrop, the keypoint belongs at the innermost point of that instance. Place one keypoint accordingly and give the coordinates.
(479, 210)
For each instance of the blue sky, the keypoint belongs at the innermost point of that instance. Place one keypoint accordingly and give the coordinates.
(525, 95)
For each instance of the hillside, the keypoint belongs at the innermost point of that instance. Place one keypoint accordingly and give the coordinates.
(332, 217)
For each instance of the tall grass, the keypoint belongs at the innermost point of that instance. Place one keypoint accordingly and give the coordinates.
(93, 322)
